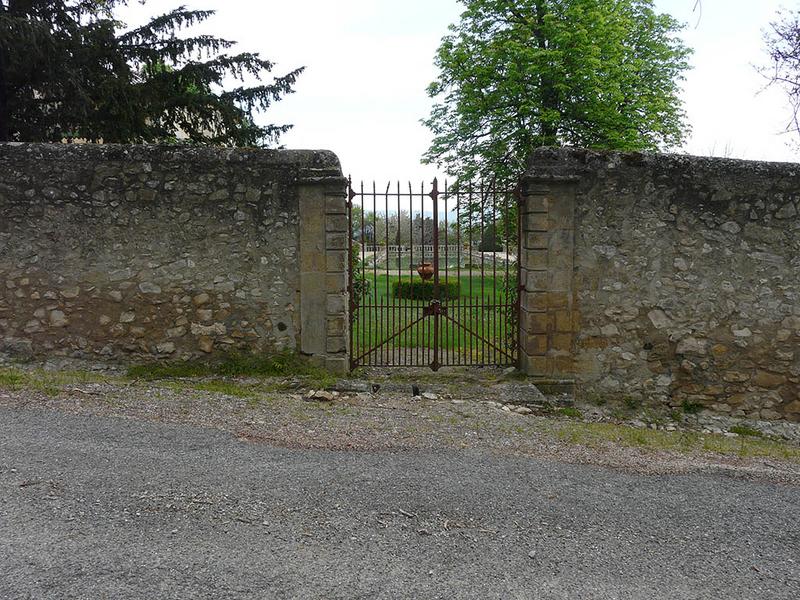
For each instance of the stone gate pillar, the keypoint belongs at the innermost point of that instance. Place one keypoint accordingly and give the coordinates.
(548, 311)
(323, 268)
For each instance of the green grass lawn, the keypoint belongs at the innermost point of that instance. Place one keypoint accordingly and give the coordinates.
(481, 321)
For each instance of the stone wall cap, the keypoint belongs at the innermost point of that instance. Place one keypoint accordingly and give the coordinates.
(547, 177)
(321, 177)
(577, 162)
(319, 160)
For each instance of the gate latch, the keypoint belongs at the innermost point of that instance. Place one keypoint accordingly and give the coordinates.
(434, 308)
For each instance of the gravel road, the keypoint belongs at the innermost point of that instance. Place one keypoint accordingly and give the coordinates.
(99, 507)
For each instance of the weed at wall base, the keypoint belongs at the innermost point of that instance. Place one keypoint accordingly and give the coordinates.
(285, 364)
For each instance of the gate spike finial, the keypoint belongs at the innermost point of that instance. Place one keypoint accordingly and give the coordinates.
(434, 193)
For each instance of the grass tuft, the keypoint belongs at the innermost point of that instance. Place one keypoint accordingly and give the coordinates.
(11, 379)
(50, 383)
(285, 364)
(569, 411)
(594, 435)
(745, 430)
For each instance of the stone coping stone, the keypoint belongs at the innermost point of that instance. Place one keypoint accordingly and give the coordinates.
(321, 162)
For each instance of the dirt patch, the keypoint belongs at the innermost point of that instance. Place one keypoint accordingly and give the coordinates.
(391, 419)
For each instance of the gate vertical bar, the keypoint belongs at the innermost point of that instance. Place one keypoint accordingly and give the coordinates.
(481, 248)
(508, 319)
(350, 260)
(391, 357)
(459, 311)
(409, 272)
(446, 336)
(375, 357)
(494, 312)
(399, 298)
(364, 311)
(436, 292)
(468, 268)
(410, 300)
(425, 322)
(520, 283)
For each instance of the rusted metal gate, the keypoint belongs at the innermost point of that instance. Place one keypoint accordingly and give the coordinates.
(433, 276)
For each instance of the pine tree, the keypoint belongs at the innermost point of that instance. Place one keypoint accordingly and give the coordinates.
(69, 70)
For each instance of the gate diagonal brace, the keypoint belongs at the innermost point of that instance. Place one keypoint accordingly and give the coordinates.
(434, 308)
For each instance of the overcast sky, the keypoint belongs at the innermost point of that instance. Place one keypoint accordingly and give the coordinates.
(369, 62)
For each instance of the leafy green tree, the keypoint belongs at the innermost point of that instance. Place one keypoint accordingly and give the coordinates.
(69, 70)
(516, 74)
(489, 239)
(783, 45)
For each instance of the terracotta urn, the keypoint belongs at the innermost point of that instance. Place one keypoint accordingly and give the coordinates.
(425, 270)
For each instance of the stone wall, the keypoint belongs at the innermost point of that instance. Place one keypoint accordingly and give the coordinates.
(668, 278)
(135, 253)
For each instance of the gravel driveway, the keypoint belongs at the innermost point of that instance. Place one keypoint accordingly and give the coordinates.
(93, 506)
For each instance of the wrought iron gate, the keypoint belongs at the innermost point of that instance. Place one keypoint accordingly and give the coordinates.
(433, 276)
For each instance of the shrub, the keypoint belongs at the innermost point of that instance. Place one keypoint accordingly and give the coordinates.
(423, 290)
(632, 403)
(691, 408)
(361, 285)
(511, 292)
(746, 430)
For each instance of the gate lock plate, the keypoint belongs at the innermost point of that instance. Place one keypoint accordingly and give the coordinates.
(434, 308)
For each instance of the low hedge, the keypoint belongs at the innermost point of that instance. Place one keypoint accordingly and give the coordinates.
(423, 290)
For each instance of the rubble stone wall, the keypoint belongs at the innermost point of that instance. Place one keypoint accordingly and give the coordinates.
(677, 279)
(134, 253)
